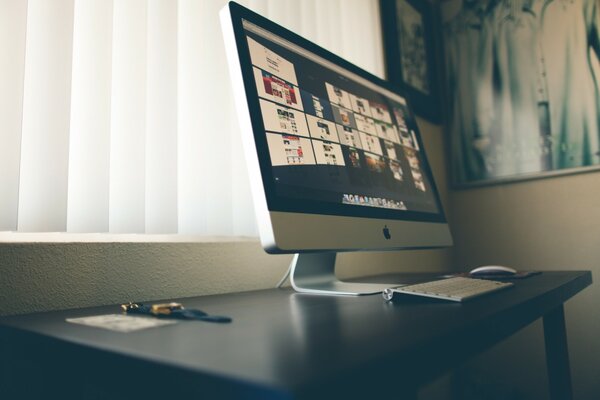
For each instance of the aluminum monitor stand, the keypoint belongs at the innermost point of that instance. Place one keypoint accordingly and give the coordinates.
(315, 273)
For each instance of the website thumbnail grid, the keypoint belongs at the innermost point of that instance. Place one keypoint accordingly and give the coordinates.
(332, 139)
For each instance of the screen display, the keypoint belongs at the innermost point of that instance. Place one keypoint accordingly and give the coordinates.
(334, 138)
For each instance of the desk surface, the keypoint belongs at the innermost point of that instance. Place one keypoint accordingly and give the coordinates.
(290, 344)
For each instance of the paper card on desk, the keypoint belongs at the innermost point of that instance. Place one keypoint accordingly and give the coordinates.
(121, 322)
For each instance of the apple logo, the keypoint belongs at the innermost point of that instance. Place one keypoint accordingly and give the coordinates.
(386, 233)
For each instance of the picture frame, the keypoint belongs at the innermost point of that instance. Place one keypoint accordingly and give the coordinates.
(521, 102)
(409, 37)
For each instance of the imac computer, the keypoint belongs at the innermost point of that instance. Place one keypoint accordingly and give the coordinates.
(334, 154)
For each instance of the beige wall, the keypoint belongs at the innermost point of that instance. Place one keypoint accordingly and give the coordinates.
(547, 224)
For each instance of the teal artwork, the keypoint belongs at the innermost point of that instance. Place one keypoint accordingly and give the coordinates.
(523, 82)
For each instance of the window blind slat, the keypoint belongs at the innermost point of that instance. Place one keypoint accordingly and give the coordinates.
(128, 122)
(217, 119)
(13, 25)
(205, 123)
(371, 45)
(89, 153)
(308, 22)
(161, 118)
(46, 120)
(191, 201)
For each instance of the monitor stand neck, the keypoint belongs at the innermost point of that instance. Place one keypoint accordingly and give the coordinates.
(315, 273)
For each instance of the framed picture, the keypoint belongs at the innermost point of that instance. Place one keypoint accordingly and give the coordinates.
(408, 36)
(523, 101)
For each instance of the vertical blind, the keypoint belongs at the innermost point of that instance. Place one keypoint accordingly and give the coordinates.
(117, 115)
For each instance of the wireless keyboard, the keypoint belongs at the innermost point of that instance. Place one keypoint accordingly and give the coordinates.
(454, 289)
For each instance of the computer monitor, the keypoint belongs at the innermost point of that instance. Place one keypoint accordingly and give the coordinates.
(334, 154)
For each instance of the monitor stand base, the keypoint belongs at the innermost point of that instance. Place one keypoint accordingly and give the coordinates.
(315, 273)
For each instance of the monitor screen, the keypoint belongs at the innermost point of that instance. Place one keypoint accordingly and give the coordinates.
(333, 142)
(334, 154)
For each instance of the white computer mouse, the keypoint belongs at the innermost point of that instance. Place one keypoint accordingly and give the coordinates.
(493, 270)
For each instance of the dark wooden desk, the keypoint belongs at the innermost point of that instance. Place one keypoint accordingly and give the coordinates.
(282, 345)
